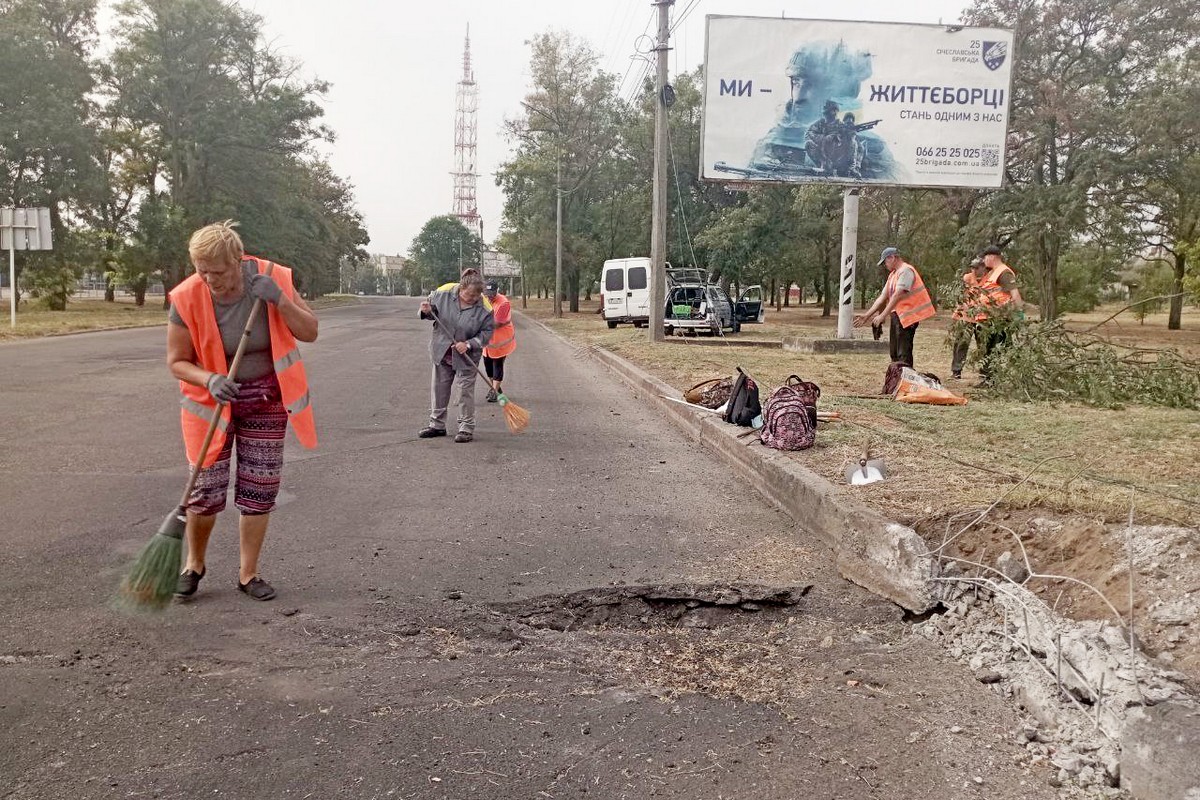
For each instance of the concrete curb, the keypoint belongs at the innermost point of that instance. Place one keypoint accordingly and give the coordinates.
(881, 556)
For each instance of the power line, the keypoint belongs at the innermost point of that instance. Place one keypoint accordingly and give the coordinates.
(638, 56)
(684, 14)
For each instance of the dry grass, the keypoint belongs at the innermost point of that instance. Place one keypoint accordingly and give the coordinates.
(97, 315)
(81, 315)
(943, 459)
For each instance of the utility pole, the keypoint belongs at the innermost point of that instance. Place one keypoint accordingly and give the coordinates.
(558, 233)
(658, 224)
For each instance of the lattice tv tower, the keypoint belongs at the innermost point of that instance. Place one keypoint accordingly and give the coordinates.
(466, 133)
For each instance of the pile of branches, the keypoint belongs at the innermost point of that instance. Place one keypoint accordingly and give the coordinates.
(1044, 361)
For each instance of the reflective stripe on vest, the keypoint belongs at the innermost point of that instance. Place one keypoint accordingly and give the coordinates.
(193, 301)
(205, 413)
(290, 357)
(297, 405)
(917, 305)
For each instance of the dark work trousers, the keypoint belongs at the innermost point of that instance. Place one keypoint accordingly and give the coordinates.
(989, 344)
(900, 341)
(962, 345)
(494, 368)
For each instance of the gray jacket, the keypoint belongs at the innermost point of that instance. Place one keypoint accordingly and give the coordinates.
(473, 325)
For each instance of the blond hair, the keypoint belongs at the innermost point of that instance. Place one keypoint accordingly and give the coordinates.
(217, 242)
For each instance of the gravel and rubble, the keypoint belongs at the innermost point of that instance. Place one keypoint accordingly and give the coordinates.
(1079, 679)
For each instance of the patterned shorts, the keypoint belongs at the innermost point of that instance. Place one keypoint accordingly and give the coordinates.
(258, 426)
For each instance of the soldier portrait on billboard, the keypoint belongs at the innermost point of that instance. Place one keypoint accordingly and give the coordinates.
(809, 141)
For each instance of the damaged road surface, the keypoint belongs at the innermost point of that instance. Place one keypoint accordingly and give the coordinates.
(592, 609)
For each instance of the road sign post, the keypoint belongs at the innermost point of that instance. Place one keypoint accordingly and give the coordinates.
(22, 229)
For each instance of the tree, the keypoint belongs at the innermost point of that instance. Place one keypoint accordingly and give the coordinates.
(1077, 62)
(442, 249)
(229, 130)
(1160, 187)
(47, 144)
(569, 140)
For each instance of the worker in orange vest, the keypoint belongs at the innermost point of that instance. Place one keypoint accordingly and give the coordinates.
(503, 341)
(904, 302)
(210, 312)
(999, 294)
(968, 314)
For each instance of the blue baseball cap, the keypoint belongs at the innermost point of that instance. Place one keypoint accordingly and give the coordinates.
(887, 251)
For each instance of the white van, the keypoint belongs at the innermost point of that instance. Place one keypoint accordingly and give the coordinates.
(625, 291)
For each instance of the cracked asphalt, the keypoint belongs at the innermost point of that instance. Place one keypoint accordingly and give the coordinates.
(446, 624)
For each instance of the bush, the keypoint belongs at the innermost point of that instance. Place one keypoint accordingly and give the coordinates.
(1046, 362)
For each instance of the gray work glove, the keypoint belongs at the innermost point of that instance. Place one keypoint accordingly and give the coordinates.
(222, 389)
(263, 287)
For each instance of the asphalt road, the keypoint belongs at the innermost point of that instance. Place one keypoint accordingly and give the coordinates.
(577, 611)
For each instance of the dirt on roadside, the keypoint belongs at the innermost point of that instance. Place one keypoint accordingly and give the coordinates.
(1081, 568)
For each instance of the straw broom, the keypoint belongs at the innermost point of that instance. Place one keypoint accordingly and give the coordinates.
(152, 579)
(515, 417)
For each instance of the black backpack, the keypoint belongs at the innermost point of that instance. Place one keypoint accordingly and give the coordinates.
(743, 405)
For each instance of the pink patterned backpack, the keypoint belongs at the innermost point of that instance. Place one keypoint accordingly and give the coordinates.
(790, 416)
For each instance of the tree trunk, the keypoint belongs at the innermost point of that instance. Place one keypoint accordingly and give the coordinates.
(573, 290)
(826, 294)
(1048, 261)
(110, 290)
(774, 294)
(1175, 316)
(787, 295)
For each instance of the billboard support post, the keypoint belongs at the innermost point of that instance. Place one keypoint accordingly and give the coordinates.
(849, 256)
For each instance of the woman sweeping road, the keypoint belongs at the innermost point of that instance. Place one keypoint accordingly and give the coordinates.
(503, 341)
(209, 312)
(462, 326)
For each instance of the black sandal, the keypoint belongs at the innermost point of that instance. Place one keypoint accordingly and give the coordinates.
(189, 582)
(257, 588)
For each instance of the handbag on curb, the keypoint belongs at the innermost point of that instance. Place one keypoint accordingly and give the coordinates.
(711, 393)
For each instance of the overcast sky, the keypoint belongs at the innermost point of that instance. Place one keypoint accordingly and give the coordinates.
(394, 69)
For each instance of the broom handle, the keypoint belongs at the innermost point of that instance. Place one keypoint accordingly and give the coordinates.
(216, 415)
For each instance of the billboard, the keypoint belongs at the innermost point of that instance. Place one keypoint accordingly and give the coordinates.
(794, 100)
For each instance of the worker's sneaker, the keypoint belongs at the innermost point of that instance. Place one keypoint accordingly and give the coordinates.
(492, 396)
(957, 374)
(429, 433)
(462, 437)
(257, 588)
(189, 581)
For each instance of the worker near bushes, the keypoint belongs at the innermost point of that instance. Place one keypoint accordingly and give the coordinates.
(967, 315)
(903, 303)
(209, 314)
(503, 341)
(462, 325)
(1000, 300)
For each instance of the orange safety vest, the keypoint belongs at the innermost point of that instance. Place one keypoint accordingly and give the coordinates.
(993, 294)
(968, 309)
(504, 337)
(918, 305)
(193, 301)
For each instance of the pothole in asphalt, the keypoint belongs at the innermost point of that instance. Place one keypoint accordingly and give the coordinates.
(683, 605)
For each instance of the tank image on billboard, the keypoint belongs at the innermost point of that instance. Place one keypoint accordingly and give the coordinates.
(789, 100)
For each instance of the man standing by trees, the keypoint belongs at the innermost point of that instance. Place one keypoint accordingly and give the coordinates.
(904, 302)
(1000, 301)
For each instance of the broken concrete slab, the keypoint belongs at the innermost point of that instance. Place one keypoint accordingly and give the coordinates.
(1158, 752)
